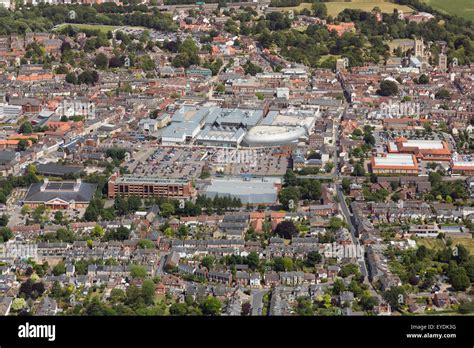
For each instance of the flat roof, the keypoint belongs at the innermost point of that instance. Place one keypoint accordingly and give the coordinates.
(138, 179)
(259, 190)
(248, 117)
(212, 133)
(211, 115)
(395, 160)
(180, 130)
(425, 144)
(58, 169)
(463, 164)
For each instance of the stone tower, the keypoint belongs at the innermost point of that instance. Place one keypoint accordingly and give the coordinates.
(419, 49)
(442, 62)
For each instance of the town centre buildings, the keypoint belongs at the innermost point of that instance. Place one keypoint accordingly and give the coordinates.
(223, 127)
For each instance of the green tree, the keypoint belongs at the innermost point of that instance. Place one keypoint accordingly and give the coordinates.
(117, 296)
(148, 291)
(443, 94)
(101, 61)
(134, 203)
(211, 306)
(26, 128)
(138, 271)
(18, 304)
(4, 218)
(97, 231)
(313, 258)
(182, 231)
(187, 54)
(286, 229)
(145, 244)
(319, 10)
(335, 223)
(349, 269)
(59, 269)
(289, 178)
(208, 262)
(395, 296)
(388, 88)
(167, 209)
(423, 79)
(38, 213)
(338, 287)
(368, 302)
(346, 184)
(22, 145)
(25, 210)
(304, 306)
(71, 78)
(179, 309)
(289, 198)
(58, 217)
(287, 263)
(253, 260)
(466, 306)
(359, 169)
(251, 68)
(459, 279)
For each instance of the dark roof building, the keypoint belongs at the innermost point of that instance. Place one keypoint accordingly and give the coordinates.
(60, 195)
(51, 169)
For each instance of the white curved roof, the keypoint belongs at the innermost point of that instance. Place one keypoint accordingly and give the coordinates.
(266, 135)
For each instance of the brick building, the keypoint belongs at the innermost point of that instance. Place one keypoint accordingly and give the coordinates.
(144, 186)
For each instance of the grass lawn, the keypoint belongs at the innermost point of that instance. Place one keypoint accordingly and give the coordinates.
(434, 243)
(467, 242)
(327, 56)
(334, 7)
(430, 243)
(102, 28)
(462, 8)
(398, 42)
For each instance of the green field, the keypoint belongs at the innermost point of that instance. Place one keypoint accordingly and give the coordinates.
(434, 243)
(462, 8)
(334, 7)
(102, 28)
(397, 42)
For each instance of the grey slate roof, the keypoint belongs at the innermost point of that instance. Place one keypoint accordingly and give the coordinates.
(57, 169)
(60, 190)
(7, 156)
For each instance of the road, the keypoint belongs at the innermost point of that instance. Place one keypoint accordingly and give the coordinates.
(323, 177)
(350, 220)
(257, 301)
(212, 81)
(159, 270)
(338, 177)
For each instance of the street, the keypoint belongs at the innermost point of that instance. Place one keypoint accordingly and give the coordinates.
(349, 219)
(257, 301)
(161, 264)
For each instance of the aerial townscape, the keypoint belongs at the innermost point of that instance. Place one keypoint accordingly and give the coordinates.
(223, 158)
